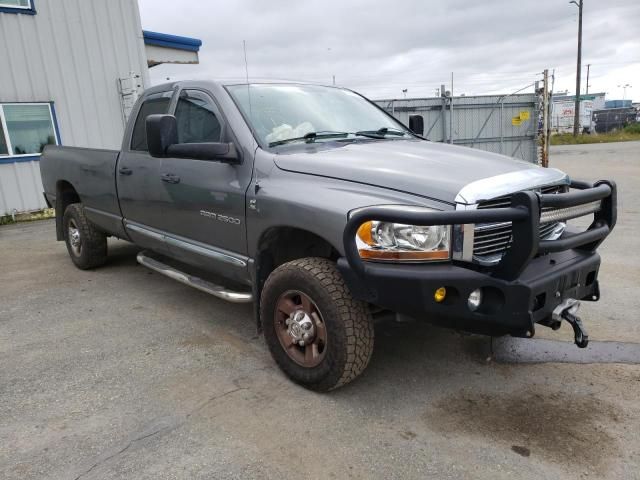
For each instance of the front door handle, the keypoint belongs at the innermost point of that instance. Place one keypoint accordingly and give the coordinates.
(170, 178)
(125, 171)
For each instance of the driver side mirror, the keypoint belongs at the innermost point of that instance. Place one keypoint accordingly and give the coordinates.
(162, 141)
(416, 124)
(162, 132)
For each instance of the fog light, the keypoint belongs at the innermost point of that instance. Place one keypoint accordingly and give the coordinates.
(475, 299)
(440, 294)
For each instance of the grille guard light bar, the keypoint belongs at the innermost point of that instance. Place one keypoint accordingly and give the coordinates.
(558, 214)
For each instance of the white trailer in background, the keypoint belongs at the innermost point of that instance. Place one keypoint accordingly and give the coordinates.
(563, 109)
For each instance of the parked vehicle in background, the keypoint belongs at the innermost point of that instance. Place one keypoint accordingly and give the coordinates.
(611, 119)
(326, 212)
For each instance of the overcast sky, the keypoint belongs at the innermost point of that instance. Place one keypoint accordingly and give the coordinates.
(381, 47)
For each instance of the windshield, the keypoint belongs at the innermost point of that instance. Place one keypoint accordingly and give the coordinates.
(281, 113)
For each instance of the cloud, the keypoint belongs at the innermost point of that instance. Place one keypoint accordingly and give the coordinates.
(381, 47)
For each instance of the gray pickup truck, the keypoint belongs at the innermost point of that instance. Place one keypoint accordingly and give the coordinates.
(327, 213)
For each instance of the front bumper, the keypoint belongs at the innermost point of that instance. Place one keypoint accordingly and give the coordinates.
(508, 307)
(531, 280)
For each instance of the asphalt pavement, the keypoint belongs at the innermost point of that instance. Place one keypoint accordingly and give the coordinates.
(123, 373)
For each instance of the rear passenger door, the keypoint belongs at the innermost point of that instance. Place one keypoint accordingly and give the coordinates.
(140, 189)
(204, 213)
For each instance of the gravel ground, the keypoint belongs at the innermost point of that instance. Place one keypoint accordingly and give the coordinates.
(122, 373)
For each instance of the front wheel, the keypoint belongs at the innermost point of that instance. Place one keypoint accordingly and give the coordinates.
(318, 334)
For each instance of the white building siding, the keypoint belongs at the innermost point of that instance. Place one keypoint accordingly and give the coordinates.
(20, 187)
(71, 53)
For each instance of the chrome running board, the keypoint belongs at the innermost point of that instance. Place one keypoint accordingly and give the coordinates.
(193, 281)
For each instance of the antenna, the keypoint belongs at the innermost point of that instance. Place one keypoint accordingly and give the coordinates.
(246, 71)
(246, 65)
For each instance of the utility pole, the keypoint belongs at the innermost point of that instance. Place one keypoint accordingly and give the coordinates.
(545, 120)
(443, 112)
(451, 112)
(551, 90)
(549, 110)
(576, 117)
(588, 68)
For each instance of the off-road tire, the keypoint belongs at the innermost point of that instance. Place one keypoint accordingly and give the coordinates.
(349, 326)
(93, 248)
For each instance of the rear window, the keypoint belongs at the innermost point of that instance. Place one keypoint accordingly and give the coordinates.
(154, 103)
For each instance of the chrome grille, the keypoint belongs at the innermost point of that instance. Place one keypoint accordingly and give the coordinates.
(491, 240)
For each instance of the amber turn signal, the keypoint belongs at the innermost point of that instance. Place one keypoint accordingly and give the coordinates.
(440, 294)
(364, 232)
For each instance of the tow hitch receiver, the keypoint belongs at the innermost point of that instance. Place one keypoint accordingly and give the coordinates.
(567, 311)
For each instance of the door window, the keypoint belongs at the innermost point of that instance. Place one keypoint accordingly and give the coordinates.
(197, 118)
(154, 103)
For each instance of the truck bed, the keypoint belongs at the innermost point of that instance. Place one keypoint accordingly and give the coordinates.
(91, 172)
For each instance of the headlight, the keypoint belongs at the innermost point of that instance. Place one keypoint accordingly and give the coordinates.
(396, 241)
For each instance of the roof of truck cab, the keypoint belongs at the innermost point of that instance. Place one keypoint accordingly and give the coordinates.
(164, 87)
(269, 81)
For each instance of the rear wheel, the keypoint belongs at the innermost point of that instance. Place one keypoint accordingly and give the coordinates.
(318, 334)
(87, 246)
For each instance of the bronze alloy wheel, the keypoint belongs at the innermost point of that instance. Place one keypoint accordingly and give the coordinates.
(300, 328)
(318, 334)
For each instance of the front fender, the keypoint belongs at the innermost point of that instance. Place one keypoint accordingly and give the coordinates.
(318, 205)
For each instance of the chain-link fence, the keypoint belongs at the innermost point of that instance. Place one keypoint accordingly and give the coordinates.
(613, 119)
(506, 124)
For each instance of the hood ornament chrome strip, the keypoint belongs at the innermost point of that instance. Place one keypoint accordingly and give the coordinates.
(510, 183)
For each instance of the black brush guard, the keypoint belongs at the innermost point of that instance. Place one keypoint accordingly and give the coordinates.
(524, 213)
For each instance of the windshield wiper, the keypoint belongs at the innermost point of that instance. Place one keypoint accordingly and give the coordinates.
(381, 133)
(310, 137)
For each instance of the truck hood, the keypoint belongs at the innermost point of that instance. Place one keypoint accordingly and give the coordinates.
(433, 170)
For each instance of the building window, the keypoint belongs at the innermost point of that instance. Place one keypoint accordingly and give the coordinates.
(26, 128)
(17, 6)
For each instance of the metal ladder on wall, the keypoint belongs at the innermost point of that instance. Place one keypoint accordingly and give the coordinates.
(129, 88)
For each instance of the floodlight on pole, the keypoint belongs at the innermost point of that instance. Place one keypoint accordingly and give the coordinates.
(624, 90)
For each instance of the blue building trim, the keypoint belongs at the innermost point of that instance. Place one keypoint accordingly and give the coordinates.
(171, 41)
(27, 11)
